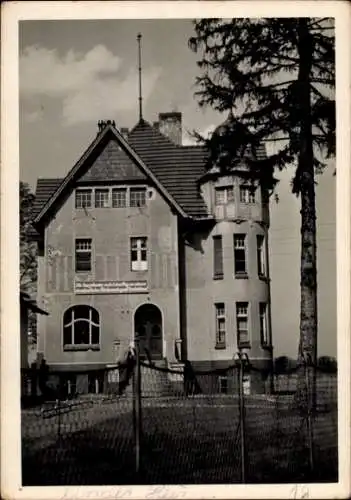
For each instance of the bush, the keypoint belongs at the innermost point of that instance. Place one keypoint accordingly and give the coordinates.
(328, 364)
(283, 365)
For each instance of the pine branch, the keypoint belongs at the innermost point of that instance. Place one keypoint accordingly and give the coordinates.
(317, 22)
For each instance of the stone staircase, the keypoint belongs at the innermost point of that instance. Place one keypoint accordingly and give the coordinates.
(157, 382)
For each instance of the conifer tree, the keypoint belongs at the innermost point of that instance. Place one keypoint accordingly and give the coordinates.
(28, 248)
(274, 79)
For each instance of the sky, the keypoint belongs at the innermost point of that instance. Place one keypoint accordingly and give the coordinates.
(74, 73)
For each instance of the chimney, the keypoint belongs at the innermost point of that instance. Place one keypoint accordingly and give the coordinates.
(124, 132)
(102, 124)
(170, 125)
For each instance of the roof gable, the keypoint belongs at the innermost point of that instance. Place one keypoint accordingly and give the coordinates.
(113, 164)
(90, 156)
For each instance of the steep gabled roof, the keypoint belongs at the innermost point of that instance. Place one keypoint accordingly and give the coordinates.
(176, 167)
(93, 150)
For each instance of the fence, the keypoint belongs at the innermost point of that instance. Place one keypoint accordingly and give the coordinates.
(164, 426)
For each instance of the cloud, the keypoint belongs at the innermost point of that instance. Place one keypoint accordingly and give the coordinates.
(33, 116)
(92, 86)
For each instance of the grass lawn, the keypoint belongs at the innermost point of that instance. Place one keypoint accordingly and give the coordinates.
(192, 442)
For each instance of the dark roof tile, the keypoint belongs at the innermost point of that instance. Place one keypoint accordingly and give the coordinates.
(44, 190)
(176, 167)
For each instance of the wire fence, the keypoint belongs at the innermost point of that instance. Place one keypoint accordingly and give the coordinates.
(145, 423)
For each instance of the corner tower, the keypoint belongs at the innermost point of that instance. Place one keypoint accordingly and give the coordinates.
(228, 281)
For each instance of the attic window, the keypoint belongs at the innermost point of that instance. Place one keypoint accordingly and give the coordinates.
(119, 197)
(83, 198)
(137, 197)
(102, 198)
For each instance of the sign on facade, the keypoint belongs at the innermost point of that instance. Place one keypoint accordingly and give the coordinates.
(110, 286)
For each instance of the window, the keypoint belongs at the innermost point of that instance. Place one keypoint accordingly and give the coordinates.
(223, 385)
(224, 195)
(239, 254)
(102, 198)
(242, 323)
(137, 197)
(260, 255)
(217, 257)
(81, 328)
(83, 255)
(247, 194)
(83, 198)
(119, 198)
(263, 324)
(220, 326)
(139, 254)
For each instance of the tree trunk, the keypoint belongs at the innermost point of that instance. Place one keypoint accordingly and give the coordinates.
(306, 182)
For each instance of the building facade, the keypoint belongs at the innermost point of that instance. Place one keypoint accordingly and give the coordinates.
(141, 240)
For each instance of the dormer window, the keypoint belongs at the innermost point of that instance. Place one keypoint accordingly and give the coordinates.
(224, 195)
(247, 194)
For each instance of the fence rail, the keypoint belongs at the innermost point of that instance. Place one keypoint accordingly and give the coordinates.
(154, 424)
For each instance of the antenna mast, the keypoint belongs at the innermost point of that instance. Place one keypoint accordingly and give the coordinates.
(140, 89)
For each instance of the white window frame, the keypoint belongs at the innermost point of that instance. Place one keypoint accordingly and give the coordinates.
(138, 244)
(247, 194)
(85, 249)
(119, 190)
(140, 201)
(88, 192)
(240, 245)
(242, 313)
(263, 313)
(98, 199)
(261, 255)
(228, 195)
(220, 325)
(74, 320)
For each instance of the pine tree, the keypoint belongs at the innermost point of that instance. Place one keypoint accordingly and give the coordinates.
(275, 79)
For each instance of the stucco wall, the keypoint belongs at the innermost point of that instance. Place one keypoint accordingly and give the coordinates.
(110, 230)
(202, 292)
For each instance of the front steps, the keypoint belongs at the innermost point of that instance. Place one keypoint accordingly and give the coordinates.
(158, 381)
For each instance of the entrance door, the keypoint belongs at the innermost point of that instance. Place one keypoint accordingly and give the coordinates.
(148, 330)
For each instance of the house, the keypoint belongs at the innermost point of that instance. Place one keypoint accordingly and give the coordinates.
(139, 240)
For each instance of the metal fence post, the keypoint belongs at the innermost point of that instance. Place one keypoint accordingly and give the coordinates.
(310, 404)
(242, 416)
(59, 417)
(137, 407)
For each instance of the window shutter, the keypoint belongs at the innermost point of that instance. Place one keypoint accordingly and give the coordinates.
(217, 257)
